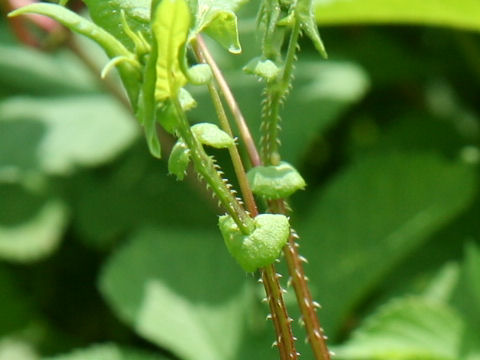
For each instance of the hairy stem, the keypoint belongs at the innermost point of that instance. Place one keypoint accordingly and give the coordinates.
(275, 94)
(233, 150)
(308, 307)
(205, 166)
(281, 321)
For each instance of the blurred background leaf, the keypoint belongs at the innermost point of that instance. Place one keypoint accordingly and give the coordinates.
(428, 12)
(386, 132)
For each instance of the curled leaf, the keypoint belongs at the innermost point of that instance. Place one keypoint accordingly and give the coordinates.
(275, 181)
(211, 135)
(179, 160)
(262, 246)
(219, 21)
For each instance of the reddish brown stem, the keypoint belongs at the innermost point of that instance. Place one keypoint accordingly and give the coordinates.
(315, 333)
(281, 321)
(232, 104)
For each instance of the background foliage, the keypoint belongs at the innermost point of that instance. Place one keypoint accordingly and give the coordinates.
(104, 253)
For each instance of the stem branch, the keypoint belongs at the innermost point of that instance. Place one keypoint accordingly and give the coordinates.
(245, 134)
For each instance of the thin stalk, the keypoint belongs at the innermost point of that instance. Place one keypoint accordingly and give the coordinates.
(275, 94)
(205, 166)
(281, 321)
(308, 307)
(234, 154)
(285, 341)
(245, 134)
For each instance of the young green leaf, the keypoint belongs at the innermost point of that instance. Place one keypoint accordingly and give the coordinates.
(268, 19)
(262, 246)
(266, 69)
(211, 135)
(147, 109)
(179, 160)
(275, 181)
(199, 74)
(218, 20)
(170, 26)
(305, 16)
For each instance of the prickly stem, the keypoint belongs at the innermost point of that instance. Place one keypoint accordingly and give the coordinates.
(281, 321)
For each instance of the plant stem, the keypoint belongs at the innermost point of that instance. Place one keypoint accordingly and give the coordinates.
(205, 166)
(315, 333)
(281, 321)
(245, 134)
(233, 150)
(275, 94)
(285, 340)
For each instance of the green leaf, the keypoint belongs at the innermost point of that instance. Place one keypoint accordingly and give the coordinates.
(55, 135)
(304, 12)
(405, 329)
(170, 26)
(199, 74)
(211, 135)
(219, 21)
(262, 247)
(147, 109)
(179, 160)
(451, 13)
(375, 212)
(194, 318)
(266, 69)
(31, 227)
(107, 14)
(106, 352)
(275, 181)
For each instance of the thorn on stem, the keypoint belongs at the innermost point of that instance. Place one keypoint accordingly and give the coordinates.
(302, 259)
